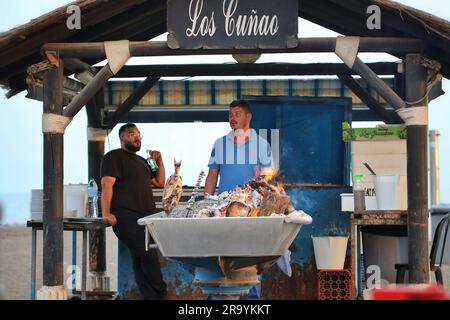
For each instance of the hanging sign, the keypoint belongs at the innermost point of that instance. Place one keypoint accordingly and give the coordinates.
(232, 24)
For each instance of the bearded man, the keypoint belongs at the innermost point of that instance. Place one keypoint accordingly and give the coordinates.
(127, 196)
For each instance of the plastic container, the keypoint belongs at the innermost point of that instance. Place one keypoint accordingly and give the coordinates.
(387, 190)
(330, 252)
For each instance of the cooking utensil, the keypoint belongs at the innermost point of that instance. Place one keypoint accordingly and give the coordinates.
(368, 167)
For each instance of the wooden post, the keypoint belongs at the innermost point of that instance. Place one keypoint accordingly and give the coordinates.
(416, 88)
(53, 182)
(96, 151)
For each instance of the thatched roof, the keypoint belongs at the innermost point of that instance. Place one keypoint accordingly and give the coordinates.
(141, 20)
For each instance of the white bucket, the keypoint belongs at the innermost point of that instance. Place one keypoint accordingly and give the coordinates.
(387, 190)
(330, 252)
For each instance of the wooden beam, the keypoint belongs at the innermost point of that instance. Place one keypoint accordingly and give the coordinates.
(88, 91)
(417, 168)
(160, 48)
(238, 69)
(378, 85)
(53, 183)
(367, 98)
(132, 100)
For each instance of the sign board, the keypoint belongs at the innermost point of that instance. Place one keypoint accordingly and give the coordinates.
(232, 24)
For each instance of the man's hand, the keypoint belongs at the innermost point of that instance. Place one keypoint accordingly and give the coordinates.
(156, 155)
(110, 218)
(160, 179)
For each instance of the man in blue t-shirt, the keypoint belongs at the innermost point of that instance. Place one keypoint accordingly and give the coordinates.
(239, 156)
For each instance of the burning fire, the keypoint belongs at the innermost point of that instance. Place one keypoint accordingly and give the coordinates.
(267, 174)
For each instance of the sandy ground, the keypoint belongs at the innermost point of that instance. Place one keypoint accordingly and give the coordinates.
(15, 261)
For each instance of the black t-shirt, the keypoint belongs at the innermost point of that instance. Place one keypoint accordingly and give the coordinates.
(132, 190)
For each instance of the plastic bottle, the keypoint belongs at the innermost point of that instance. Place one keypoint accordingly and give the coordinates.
(92, 191)
(359, 196)
(151, 162)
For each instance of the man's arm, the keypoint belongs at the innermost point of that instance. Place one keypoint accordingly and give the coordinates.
(211, 181)
(106, 198)
(159, 180)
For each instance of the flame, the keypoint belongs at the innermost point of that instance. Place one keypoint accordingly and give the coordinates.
(268, 174)
(255, 212)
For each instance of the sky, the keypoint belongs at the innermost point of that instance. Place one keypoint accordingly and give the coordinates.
(20, 124)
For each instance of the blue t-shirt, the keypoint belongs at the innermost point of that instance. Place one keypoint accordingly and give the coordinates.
(239, 163)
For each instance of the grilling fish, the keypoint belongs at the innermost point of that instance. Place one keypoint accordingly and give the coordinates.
(173, 189)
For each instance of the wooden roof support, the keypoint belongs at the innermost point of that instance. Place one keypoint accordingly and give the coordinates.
(96, 50)
(88, 91)
(367, 98)
(132, 100)
(281, 69)
(378, 85)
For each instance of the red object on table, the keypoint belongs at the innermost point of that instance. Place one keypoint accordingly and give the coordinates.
(411, 292)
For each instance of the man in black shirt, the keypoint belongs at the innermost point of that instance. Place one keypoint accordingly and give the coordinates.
(127, 196)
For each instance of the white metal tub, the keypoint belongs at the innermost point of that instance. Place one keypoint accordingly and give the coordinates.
(224, 237)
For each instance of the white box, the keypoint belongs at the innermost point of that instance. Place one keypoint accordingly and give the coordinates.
(348, 205)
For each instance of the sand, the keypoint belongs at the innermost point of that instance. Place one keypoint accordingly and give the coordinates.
(15, 260)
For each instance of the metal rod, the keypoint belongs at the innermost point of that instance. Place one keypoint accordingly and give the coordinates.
(419, 265)
(88, 92)
(96, 50)
(53, 182)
